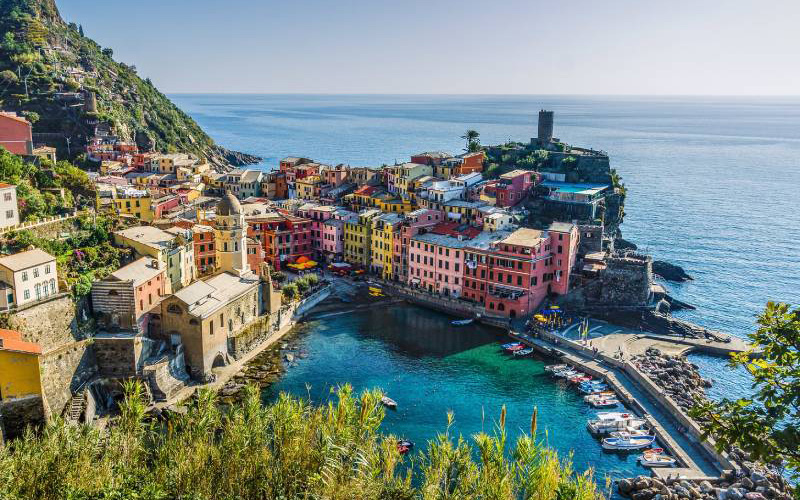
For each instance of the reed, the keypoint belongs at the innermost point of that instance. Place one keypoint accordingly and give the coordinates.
(286, 450)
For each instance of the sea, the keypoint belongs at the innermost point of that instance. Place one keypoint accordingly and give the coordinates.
(713, 186)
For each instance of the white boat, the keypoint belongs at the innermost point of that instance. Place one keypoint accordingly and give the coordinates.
(633, 432)
(656, 460)
(565, 373)
(461, 322)
(606, 425)
(389, 402)
(523, 352)
(626, 442)
(604, 403)
(605, 415)
(599, 395)
(555, 368)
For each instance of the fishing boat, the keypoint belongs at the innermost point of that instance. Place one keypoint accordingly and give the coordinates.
(626, 442)
(404, 446)
(604, 403)
(461, 322)
(555, 368)
(648, 459)
(389, 402)
(523, 352)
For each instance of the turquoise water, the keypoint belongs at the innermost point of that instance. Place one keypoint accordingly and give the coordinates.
(430, 367)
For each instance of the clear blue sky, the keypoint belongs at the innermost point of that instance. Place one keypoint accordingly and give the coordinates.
(467, 46)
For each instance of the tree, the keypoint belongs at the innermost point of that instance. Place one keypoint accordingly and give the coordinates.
(108, 52)
(473, 140)
(80, 30)
(766, 425)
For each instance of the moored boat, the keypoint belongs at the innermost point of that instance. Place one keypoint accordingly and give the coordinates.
(599, 395)
(656, 460)
(604, 403)
(555, 368)
(633, 433)
(389, 402)
(404, 446)
(461, 322)
(626, 442)
(523, 352)
(511, 344)
(593, 389)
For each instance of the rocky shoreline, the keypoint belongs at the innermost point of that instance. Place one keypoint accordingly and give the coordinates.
(681, 380)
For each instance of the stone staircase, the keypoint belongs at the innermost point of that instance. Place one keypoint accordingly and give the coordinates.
(76, 407)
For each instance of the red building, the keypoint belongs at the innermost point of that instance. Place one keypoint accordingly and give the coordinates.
(285, 238)
(15, 134)
(512, 187)
(472, 162)
(513, 276)
(204, 251)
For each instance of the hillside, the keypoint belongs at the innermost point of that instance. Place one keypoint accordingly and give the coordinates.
(53, 74)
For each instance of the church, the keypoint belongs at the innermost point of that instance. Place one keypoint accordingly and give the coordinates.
(205, 315)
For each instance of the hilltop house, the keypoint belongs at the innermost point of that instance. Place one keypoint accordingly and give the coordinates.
(27, 277)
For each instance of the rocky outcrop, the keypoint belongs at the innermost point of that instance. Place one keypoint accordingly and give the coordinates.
(235, 158)
(670, 272)
(675, 375)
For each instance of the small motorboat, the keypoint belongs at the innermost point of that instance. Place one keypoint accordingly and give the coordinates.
(580, 378)
(599, 395)
(634, 433)
(511, 345)
(593, 389)
(565, 373)
(523, 352)
(604, 403)
(626, 442)
(389, 402)
(404, 446)
(555, 368)
(515, 348)
(648, 459)
(461, 322)
(608, 415)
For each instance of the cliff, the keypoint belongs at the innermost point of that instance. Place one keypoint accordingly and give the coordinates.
(68, 85)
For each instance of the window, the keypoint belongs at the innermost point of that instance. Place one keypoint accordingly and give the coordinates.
(9, 214)
(47, 269)
(7, 196)
(211, 327)
(27, 294)
(113, 292)
(35, 272)
(174, 309)
(24, 275)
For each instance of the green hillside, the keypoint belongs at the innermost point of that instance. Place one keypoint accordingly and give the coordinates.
(49, 72)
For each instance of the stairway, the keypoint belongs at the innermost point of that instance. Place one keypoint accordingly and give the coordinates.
(76, 406)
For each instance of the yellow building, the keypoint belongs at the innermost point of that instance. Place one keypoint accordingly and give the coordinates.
(396, 205)
(19, 367)
(134, 202)
(384, 229)
(407, 172)
(305, 188)
(357, 235)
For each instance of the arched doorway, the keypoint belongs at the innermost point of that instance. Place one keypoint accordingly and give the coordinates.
(512, 313)
(219, 361)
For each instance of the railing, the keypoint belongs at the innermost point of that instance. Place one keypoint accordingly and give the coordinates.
(30, 224)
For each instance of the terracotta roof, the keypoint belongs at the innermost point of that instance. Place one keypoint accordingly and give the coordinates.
(11, 340)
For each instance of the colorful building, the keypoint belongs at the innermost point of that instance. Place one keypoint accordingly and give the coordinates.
(27, 277)
(173, 247)
(204, 249)
(21, 396)
(357, 238)
(385, 228)
(144, 204)
(16, 134)
(9, 209)
(123, 300)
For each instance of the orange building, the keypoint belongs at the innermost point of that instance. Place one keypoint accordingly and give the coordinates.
(15, 133)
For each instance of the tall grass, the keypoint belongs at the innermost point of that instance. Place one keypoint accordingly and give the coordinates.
(289, 449)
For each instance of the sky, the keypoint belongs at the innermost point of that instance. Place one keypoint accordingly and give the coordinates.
(626, 47)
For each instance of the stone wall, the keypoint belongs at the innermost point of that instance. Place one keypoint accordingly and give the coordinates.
(18, 413)
(64, 371)
(51, 324)
(624, 284)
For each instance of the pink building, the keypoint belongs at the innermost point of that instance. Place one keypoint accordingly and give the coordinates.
(318, 214)
(414, 223)
(333, 234)
(512, 187)
(436, 257)
(15, 133)
(516, 273)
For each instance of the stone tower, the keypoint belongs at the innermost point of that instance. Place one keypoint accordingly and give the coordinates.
(545, 127)
(229, 234)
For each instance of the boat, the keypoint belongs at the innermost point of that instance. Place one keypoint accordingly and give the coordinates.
(626, 442)
(606, 415)
(510, 345)
(404, 446)
(593, 389)
(555, 368)
(389, 402)
(599, 395)
(634, 433)
(461, 322)
(604, 403)
(517, 347)
(648, 459)
(565, 373)
(523, 352)
(614, 421)
(580, 378)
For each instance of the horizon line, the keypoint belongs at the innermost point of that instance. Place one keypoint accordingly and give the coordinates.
(466, 94)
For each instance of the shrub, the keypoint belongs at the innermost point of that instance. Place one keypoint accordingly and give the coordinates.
(290, 291)
(285, 450)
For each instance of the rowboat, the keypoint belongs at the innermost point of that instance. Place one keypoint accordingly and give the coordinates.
(593, 389)
(656, 460)
(389, 402)
(510, 345)
(461, 322)
(633, 433)
(523, 352)
(404, 446)
(517, 347)
(555, 368)
(580, 378)
(626, 442)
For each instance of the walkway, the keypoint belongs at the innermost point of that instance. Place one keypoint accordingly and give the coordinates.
(689, 453)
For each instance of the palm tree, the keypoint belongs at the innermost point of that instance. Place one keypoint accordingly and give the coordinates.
(473, 140)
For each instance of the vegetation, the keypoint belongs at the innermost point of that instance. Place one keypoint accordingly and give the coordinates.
(766, 425)
(40, 56)
(82, 257)
(299, 287)
(287, 450)
(473, 141)
(38, 186)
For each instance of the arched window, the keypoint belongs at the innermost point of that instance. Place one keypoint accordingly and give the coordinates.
(501, 307)
(174, 309)
(193, 322)
(113, 292)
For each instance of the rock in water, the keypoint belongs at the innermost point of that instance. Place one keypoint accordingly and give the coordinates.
(623, 244)
(670, 272)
